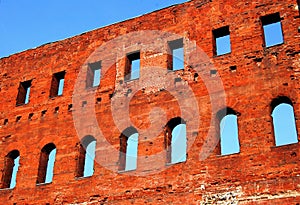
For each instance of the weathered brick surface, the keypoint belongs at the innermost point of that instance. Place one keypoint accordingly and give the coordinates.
(260, 174)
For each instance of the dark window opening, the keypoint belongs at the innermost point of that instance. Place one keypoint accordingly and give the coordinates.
(57, 84)
(87, 150)
(284, 125)
(24, 92)
(128, 149)
(18, 118)
(232, 68)
(228, 131)
(46, 164)
(176, 55)
(132, 66)
(272, 30)
(221, 41)
(175, 140)
(213, 73)
(30, 115)
(98, 100)
(5, 122)
(56, 109)
(70, 107)
(84, 103)
(298, 4)
(43, 113)
(93, 74)
(11, 166)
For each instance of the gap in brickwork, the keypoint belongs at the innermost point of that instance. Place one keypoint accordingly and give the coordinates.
(98, 100)
(70, 107)
(93, 75)
(128, 141)
(285, 131)
(57, 84)
(232, 68)
(132, 66)
(46, 164)
(176, 55)
(30, 116)
(221, 43)
(213, 73)
(43, 113)
(11, 163)
(228, 131)
(23, 93)
(84, 103)
(5, 122)
(18, 118)
(272, 24)
(56, 109)
(85, 159)
(175, 141)
(196, 75)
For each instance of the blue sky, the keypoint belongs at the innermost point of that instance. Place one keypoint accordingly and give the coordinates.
(28, 24)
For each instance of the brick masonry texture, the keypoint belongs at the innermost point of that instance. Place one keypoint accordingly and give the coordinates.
(260, 174)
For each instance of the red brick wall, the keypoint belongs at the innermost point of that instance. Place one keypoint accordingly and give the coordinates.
(260, 174)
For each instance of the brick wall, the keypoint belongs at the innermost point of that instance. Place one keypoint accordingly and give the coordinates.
(260, 174)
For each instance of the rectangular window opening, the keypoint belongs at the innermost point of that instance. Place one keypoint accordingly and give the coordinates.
(132, 67)
(272, 30)
(57, 84)
(176, 56)
(93, 74)
(23, 93)
(222, 43)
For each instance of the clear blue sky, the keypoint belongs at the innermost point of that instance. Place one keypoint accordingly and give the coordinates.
(28, 24)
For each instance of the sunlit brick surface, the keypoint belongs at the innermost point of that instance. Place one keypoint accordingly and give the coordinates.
(260, 174)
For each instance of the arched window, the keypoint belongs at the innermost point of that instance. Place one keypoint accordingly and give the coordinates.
(175, 140)
(46, 164)
(228, 131)
(86, 157)
(128, 149)
(284, 125)
(11, 166)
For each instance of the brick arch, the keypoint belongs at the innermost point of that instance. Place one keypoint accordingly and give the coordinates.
(82, 146)
(9, 163)
(277, 123)
(226, 111)
(171, 124)
(43, 162)
(279, 100)
(123, 146)
(87, 140)
(220, 116)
